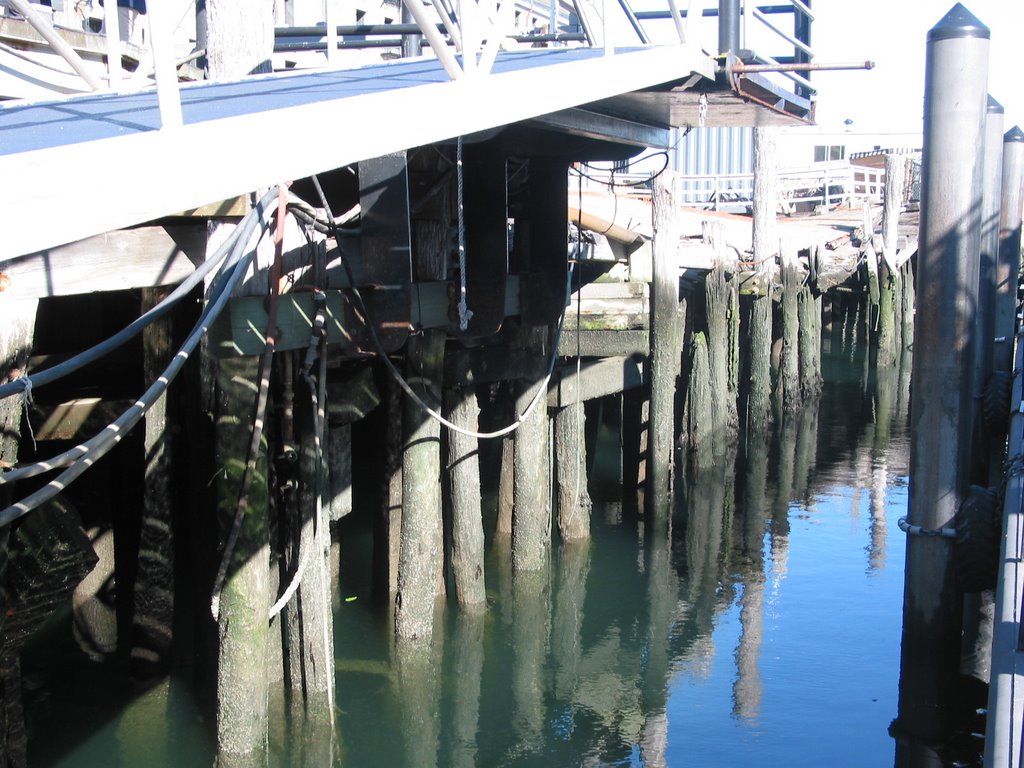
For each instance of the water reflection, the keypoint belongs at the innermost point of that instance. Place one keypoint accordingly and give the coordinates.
(769, 605)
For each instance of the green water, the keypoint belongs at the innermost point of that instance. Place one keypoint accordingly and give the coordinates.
(764, 631)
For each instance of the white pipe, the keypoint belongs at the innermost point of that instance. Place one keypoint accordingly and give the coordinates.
(674, 9)
(332, 32)
(497, 34)
(111, 28)
(469, 21)
(446, 18)
(419, 15)
(58, 43)
(166, 74)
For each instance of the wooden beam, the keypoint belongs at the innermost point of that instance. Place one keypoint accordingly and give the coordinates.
(597, 379)
(141, 257)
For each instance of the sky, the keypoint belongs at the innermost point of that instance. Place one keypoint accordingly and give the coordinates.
(893, 34)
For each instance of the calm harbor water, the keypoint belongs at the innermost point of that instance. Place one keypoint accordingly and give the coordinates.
(765, 631)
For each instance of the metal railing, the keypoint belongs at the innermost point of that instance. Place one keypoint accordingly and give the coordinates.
(824, 185)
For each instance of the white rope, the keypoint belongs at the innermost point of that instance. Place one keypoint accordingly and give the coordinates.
(541, 390)
(465, 315)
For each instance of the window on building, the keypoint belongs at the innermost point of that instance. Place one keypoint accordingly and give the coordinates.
(829, 152)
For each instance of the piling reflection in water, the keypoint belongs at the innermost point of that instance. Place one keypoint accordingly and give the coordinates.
(699, 645)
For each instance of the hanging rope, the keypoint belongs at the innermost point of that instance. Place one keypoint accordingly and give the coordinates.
(465, 315)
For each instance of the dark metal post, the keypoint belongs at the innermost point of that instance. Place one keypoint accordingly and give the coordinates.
(1008, 264)
(802, 32)
(984, 328)
(728, 26)
(412, 45)
(956, 80)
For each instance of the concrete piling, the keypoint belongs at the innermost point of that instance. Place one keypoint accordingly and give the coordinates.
(951, 204)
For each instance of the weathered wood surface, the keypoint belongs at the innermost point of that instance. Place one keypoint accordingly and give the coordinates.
(571, 473)
(421, 552)
(244, 605)
(467, 521)
(531, 511)
(665, 350)
(140, 257)
(765, 248)
(608, 376)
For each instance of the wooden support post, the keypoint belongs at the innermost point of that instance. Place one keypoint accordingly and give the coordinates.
(765, 243)
(485, 213)
(421, 555)
(787, 389)
(531, 513)
(635, 410)
(388, 534)
(506, 486)
(888, 309)
(700, 406)
(17, 326)
(720, 296)
(386, 244)
(467, 521)
(809, 308)
(152, 618)
(665, 352)
(314, 598)
(244, 604)
(571, 471)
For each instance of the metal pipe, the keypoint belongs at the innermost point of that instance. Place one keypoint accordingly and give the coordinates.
(787, 37)
(1006, 681)
(1008, 263)
(412, 39)
(710, 12)
(451, 66)
(804, 9)
(58, 43)
(677, 20)
(112, 32)
(728, 26)
(165, 71)
(332, 32)
(956, 86)
(985, 316)
(743, 69)
(634, 22)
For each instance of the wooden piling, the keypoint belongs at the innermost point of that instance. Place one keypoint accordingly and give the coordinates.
(664, 340)
(464, 478)
(721, 308)
(700, 419)
(388, 533)
(765, 243)
(888, 311)
(421, 555)
(531, 513)
(244, 602)
(787, 388)
(153, 614)
(571, 473)
(314, 598)
(809, 334)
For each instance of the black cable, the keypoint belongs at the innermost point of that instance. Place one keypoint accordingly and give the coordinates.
(135, 327)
